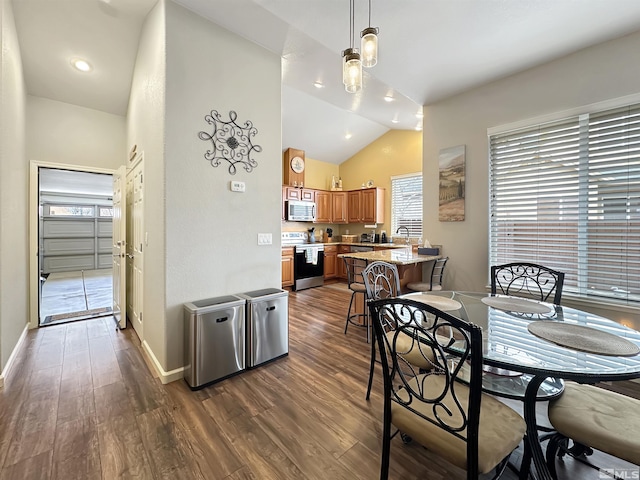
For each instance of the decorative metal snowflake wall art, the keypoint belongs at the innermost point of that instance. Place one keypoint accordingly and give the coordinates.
(230, 142)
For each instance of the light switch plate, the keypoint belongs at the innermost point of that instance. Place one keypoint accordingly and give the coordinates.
(265, 239)
(238, 186)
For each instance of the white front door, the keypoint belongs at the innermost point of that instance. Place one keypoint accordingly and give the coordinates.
(118, 248)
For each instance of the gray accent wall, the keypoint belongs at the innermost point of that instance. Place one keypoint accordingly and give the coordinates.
(596, 74)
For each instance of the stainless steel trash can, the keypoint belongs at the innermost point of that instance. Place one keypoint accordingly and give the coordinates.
(215, 339)
(267, 325)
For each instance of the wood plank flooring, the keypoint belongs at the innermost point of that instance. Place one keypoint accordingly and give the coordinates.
(81, 403)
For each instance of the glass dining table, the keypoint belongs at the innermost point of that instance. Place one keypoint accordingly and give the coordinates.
(536, 344)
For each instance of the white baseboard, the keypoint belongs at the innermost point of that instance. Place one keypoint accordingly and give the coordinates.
(12, 358)
(165, 377)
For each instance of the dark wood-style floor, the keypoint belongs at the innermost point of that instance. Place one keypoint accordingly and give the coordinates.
(81, 403)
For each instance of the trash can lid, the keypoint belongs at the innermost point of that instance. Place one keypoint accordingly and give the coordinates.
(263, 292)
(215, 301)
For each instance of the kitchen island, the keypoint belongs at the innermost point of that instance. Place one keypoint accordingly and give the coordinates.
(409, 263)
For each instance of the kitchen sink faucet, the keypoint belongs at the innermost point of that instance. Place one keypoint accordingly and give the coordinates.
(406, 229)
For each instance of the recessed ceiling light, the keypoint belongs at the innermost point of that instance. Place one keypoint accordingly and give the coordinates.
(318, 84)
(347, 136)
(81, 65)
(395, 120)
(420, 114)
(419, 127)
(388, 98)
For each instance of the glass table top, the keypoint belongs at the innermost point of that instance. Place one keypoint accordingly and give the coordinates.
(509, 344)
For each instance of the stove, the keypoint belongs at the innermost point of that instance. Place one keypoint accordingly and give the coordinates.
(308, 261)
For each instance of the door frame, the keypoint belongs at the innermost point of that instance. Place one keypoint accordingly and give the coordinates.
(34, 191)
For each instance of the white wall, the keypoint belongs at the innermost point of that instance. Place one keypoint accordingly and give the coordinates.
(63, 133)
(596, 74)
(14, 242)
(145, 128)
(211, 232)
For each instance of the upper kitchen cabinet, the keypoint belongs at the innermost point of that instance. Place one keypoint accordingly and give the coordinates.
(293, 167)
(323, 207)
(372, 205)
(354, 199)
(366, 205)
(293, 193)
(332, 207)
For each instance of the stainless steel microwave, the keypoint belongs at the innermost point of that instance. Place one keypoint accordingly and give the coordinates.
(299, 211)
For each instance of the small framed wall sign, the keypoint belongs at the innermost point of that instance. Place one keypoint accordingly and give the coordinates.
(451, 163)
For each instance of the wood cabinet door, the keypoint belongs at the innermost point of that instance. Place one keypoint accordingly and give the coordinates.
(292, 193)
(372, 205)
(341, 269)
(287, 267)
(354, 205)
(339, 207)
(323, 207)
(308, 195)
(330, 264)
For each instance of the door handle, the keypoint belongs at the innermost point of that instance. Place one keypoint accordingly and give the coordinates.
(129, 256)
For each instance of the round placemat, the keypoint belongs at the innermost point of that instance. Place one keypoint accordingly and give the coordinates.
(441, 303)
(584, 339)
(515, 304)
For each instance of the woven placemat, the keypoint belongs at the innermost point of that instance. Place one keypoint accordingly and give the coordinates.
(584, 339)
(515, 304)
(441, 303)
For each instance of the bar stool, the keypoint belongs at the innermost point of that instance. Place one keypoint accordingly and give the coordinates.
(355, 283)
(435, 280)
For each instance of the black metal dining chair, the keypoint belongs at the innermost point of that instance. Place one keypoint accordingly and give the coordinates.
(458, 422)
(529, 280)
(435, 278)
(594, 418)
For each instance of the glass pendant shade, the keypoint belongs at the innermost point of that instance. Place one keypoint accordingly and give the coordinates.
(369, 44)
(352, 73)
(345, 54)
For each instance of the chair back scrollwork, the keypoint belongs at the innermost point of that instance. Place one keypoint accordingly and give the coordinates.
(528, 280)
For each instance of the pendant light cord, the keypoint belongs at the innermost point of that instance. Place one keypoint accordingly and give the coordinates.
(352, 12)
(369, 13)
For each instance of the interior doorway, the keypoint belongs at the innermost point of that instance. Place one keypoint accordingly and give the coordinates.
(75, 214)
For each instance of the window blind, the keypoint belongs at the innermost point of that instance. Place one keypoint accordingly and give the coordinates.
(406, 204)
(567, 195)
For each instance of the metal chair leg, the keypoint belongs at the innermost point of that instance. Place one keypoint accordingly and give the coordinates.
(371, 368)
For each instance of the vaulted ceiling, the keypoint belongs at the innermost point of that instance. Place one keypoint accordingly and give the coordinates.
(429, 50)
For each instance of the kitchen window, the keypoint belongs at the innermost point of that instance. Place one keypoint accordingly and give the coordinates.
(406, 203)
(566, 194)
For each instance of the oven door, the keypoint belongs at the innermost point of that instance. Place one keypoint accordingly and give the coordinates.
(308, 268)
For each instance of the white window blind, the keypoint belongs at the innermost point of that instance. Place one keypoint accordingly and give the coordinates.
(406, 204)
(567, 195)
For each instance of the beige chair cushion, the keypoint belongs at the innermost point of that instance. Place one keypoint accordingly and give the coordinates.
(501, 428)
(601, 419)
(419, 286)
(411, 353)
(358, 287)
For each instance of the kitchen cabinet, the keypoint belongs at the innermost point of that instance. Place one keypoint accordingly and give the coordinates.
(366, 205)
(339, 207)
(287, 266)
(294, 193)
(354, 199)
(323, 207)
(372, 205)
(341, 270)
(331, 207)
(330, 261)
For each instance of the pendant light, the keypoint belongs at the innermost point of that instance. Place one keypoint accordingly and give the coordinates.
(351, 64)
(369, 44)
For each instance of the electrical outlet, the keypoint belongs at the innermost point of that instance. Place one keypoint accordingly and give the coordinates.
(238, 186)
(265, 239)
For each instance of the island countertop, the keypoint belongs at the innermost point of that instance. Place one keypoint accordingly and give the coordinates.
(396, 256)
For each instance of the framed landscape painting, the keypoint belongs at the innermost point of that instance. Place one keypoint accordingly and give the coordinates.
(451, 163)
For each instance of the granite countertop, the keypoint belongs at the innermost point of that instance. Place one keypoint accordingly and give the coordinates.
(357, 244)
(405, 256)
